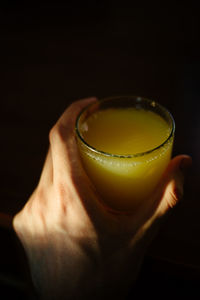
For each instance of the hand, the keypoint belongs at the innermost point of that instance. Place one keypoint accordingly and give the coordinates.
(77, 249)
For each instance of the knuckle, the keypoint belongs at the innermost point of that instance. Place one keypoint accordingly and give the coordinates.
(174, 193)
(53, 133)
(56, 133)
(17, 222)
(173, 199)
(62, 135)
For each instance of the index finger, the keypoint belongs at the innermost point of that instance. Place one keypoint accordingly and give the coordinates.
(63, 142)
(68, 118)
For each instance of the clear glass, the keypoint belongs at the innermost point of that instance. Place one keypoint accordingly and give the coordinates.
(125, 181)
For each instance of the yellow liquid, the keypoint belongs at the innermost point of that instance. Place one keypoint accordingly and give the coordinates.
(125, 182)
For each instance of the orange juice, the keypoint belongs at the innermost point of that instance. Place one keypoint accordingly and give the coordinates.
(125, 154)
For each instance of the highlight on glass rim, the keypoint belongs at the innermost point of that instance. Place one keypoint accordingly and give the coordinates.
(125, 144)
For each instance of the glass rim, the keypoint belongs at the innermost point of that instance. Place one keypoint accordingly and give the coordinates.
(139, 154)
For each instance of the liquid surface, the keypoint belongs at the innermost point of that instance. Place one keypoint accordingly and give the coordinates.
(125, 131)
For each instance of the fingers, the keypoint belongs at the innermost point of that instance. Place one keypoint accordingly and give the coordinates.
(169, 193)
(172, 183)
(69, 116)
(62, 140)
(61, 134)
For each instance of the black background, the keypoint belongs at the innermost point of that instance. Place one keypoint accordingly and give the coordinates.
(53, 52)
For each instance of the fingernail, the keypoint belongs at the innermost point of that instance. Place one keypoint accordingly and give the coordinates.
(185, 164)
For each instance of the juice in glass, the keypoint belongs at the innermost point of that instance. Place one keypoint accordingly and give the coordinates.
(125, 145)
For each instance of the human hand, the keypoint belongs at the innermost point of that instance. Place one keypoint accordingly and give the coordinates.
(77, 249)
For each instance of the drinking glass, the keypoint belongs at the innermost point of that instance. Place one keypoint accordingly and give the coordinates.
(124, 176)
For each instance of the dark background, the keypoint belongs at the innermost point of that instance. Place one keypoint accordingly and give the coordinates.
(52, 53)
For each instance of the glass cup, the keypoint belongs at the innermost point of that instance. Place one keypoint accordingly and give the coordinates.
(125, 169)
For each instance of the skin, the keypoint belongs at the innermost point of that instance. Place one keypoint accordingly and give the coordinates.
(77, 249)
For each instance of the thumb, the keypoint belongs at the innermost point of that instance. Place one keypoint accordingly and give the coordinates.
(172, 183)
